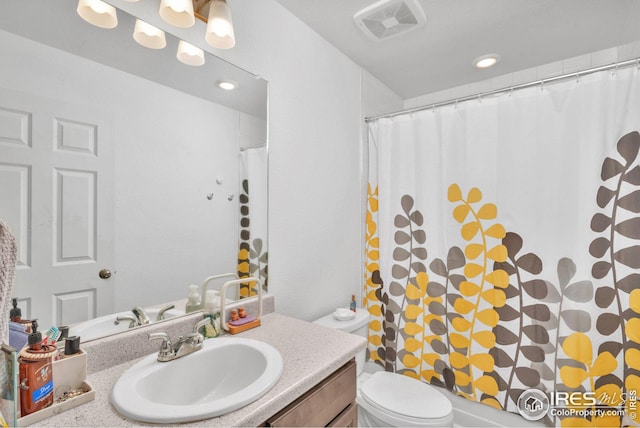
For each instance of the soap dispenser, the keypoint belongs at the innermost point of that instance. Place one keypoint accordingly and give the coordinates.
(194, 302)
(35, 373)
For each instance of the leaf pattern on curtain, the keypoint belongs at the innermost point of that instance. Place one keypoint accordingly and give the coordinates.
(252, 260)
(488, 323)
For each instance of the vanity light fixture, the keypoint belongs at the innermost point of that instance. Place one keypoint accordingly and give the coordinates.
(227, 85)
(98, 13)
(189, 54)
(219, 32)
(178, 13)
(148, 35)
(486, 61)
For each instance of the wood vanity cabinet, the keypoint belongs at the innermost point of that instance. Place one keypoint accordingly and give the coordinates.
(331, 403)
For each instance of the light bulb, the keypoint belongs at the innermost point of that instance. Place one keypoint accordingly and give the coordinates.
(219, 33)
(189, 54)
(98, 13)
(177, 12)
(148, 35)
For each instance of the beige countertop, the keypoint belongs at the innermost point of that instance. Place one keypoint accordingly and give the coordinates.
(310, 353)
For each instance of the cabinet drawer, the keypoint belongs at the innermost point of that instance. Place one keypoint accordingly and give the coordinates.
(323, 403)
(348, 418)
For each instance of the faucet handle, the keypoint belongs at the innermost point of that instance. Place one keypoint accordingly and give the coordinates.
(200, 324)
(166, 349)
(141, 315)
(162, 310)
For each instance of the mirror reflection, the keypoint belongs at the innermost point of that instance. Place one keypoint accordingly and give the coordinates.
(126, 174)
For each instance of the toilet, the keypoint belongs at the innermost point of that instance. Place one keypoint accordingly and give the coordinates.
(389, 399)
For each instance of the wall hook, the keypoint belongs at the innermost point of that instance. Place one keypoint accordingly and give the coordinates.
(209, 196)
(230, 197)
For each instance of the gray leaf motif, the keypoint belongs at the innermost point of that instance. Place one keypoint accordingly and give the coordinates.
(577, 320)
(580, 292)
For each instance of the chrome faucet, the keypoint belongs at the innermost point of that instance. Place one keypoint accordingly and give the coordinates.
(133, 321)
(141, 315)
(186, 344)
(164, 309)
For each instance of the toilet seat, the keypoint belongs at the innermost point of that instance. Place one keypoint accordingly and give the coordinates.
(402, 401)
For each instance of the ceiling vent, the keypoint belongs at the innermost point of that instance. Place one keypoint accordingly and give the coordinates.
(390, 18)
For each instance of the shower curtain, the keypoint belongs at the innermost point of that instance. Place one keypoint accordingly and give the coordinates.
(252, 252)
(503, 249)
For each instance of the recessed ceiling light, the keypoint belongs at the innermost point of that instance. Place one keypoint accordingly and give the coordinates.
(227, 85)
(486, 61)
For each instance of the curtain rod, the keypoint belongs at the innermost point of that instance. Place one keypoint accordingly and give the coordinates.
(573, 74)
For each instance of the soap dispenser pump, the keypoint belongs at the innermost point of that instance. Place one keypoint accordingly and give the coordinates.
(194, 302)
(211, 309)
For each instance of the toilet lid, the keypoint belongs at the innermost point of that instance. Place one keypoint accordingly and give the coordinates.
(405, 396)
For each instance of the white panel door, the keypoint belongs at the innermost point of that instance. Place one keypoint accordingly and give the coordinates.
(56, 193)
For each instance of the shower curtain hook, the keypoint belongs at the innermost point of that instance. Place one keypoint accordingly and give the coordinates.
(638, 63)
(480, 98)
(542, 85)
(511, 91)
(433, 108)
(456, 104)
(615, 69)
(577, 77)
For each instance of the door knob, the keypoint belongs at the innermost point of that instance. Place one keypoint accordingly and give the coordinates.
(104, 274)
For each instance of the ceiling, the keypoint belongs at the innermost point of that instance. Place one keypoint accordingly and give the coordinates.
(525, 33)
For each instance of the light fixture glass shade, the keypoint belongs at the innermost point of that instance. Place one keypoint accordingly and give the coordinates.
(178, 13)
(148, 35)
(189, 54)
(219, 33)
(98, 13)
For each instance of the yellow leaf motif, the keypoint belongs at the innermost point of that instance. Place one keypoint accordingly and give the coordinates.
(410, 361)
(472, 251)
(578, 346)
(431, 358)
(573, 376)
(606, 421)
(412, 328)
(471, 270)
(412, 344)
(462, 379)
(632, 357)
(498, 253)
(496, 231)
(492, 402)
(634, 300)
(460, 213)
(495, 297)
(458, 340)
(484, 362)
(375, 325)
(499, 278)
(422, 279)
(454, 194)
(487, 384)
(460, 324)
(429, 374)
(488, 212)
(463, 306)
(633, 329)
(375, 310)
(470, 230)
(468, 288)
(458, 361)
(474, 195)
(485, 338)
(413, 292)
(412, 375)
(604, 364)
(375, 340)
(488, 317)
(373, 255)
(412, 311)
(632, 383)
(374, 242)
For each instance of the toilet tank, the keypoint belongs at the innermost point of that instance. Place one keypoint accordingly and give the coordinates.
(359, 325)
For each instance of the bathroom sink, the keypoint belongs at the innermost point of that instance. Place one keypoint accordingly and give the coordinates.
(225, 375)
(104, 325)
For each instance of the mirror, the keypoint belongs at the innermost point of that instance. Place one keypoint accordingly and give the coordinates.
(126, 175)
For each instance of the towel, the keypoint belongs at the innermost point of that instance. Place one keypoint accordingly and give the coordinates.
(8, 250)
(18, 335)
